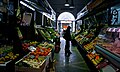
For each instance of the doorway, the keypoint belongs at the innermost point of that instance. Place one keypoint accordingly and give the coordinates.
(64, 20)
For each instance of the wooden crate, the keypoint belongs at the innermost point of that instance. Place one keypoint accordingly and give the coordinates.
(30, 69)
(42, 68)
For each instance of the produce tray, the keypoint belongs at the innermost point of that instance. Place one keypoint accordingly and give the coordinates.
(42, 67)
(30, 69)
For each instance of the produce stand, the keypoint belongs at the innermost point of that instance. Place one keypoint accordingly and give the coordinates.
(19, 37)
(89, 56)
(109, 48)
(97, 57)
(42, 66)
(113, 58)
(100, 24)
(52, 32)
(8, 37)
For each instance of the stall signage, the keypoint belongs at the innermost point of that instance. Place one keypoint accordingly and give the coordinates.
(94, 4)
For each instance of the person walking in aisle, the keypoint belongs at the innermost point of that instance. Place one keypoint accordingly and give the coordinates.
(67, 37)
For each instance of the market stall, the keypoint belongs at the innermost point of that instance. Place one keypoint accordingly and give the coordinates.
(21, 47)
(8, 36)
(98, 39)
(36, 44)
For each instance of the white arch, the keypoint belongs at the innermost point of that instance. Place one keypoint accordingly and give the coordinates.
(66, 16)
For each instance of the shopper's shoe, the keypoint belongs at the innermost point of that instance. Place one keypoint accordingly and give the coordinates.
(70, 52)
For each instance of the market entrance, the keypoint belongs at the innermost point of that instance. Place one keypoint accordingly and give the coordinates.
(64, 20)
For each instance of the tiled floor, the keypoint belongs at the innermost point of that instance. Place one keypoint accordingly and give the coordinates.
(73, 63)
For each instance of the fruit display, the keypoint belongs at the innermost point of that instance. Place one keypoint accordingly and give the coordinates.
(47, 34)
(52, 32)
(92, 55)
(78, 38)
(84, 40)
(5, 49)
(44, 34)
(31, 61)
(38, 49)
(108, 45)
(78, 31)
(46, 45)
(27, 44)
(81, 35)
(7, 57)
(89, 35)
(40, 31)
(35, 58)
(95, 58)
(88, 47)
(91, 45)
(88, 42)
(84, 37)
(85, 33)
(6, 54)
(40, 52)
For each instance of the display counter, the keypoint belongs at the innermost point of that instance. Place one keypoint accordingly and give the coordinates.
(91, 64)
(113, 58)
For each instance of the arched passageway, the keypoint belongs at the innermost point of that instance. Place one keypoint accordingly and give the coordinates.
(65, 19)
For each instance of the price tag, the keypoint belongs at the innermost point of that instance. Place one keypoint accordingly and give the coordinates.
(32, 48)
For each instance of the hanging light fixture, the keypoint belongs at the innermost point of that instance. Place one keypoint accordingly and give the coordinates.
(72, 4)
(66, 3)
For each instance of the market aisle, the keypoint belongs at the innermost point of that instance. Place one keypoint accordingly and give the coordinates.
(74, 63)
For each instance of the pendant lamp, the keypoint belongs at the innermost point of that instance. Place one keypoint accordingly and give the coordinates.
(72, 4)
(66, 3)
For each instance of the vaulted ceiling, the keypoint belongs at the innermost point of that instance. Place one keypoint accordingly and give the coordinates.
(58, 6)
